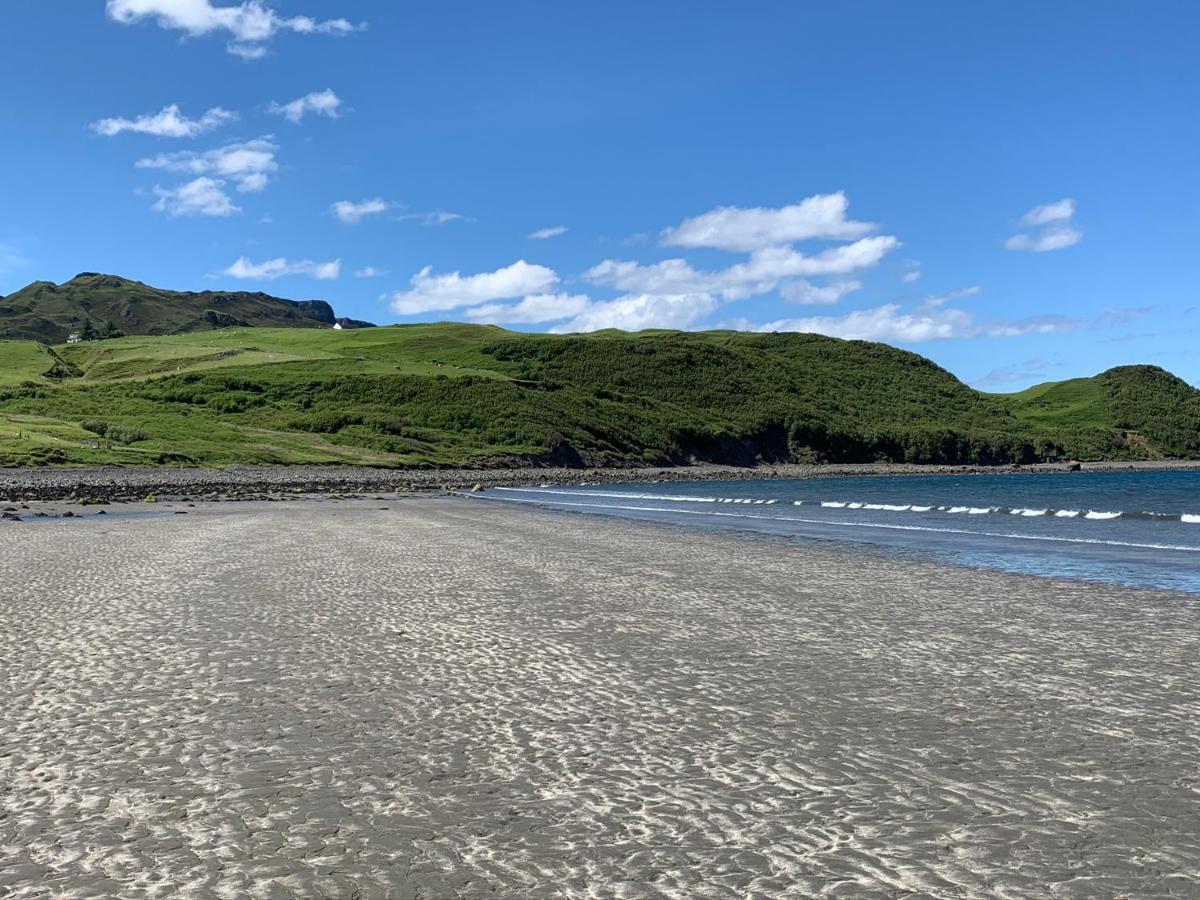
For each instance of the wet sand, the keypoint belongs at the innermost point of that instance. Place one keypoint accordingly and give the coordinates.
(443, 698)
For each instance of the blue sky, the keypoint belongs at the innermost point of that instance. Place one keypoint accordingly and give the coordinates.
(1009, 188)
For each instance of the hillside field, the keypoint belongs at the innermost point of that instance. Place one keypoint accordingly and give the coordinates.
(450, 394)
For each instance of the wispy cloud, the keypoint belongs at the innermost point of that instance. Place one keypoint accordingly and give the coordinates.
(1030, 370)
(434, 217)
(167, 122)
(551, 231)
(936, 300)
(318, 103)
(1054, 228)
(1058, 211)
(248, 165)
(250, 25)
(369, 272)
(352, 212)
(928, 322)
(270, 269)
(11, 258)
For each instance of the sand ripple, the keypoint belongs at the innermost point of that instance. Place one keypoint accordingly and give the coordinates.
(447, 699)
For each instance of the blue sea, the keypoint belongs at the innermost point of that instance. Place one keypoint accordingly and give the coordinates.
(1140, 529)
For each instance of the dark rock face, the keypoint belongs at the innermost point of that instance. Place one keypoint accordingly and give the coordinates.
(353, 323)
(317, 309)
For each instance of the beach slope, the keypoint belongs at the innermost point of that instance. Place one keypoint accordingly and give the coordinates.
(442, 697)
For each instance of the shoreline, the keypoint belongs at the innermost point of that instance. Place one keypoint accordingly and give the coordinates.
(116, 484)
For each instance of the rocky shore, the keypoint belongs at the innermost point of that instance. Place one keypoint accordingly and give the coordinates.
(271, 482)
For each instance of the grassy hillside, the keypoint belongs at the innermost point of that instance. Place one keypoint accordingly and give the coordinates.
(48, 312)
(479, 395)
(1137, 412)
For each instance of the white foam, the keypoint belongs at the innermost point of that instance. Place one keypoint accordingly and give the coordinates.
(958, 509)
(922, 508)
(883, 525)
(979, 510)
(889, 507)
(1190, 519)
(1066, 513)
(1092, 514)
(833, 504)
(1028, 512)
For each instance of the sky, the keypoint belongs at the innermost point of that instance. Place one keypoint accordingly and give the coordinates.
(1009, 188)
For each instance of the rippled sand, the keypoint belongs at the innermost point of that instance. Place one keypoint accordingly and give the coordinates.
(446, 698)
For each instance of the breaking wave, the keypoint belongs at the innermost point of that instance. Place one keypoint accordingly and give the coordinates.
(1022, 511)
(1059, 539)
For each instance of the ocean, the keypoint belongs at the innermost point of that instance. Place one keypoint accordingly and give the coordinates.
(1139, 529)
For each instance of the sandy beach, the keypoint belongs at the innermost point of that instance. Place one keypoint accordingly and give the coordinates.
(438, 697)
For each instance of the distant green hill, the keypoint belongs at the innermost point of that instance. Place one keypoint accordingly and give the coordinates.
(449, 394)
(1141, 412)
(49, 313)
(187, 387)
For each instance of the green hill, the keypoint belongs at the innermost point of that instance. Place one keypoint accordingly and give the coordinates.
(48, 312)
(450, 394)
(1140, 412)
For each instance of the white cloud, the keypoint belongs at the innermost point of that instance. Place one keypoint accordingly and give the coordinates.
(351, 212)
(369, 272)
(248, 52)
(934, 322)
(531, 310)
(249, 24)
(1055, 238)
(271, 269)
(822, 216)
(249, 165)
(911, 276)
(805, 292)
(762, 273)
(167, 122)
(1058, 211)
(429, 292)
(319, 103)
(884, 323)
(434, 217)
(1056, 231)
(202, 196)
(635, 312)
(935, 300)
(549, 232)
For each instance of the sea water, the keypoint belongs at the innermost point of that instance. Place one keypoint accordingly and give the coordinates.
(1140, 529)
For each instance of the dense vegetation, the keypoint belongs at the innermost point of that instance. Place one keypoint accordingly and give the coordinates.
(479, 395)
(104, 306)
(1131, 412)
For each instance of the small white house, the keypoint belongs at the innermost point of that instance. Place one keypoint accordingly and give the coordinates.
(74, 337)
(337, 326)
